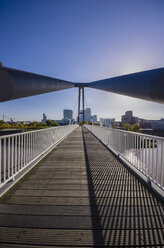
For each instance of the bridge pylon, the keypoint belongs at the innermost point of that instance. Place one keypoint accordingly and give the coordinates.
(81, 87)
(81, 96)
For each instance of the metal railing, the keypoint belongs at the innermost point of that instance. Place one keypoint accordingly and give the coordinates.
(19, 150)
(144, 152)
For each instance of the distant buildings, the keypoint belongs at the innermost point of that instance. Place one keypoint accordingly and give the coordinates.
(81, 116)
(67, 114)
(93, 118)
(145, 123)
(11, 121)
(87, 114)
(107, 122)
(154, 124)
(155, 127)
(158, 125)
(26, 122)
(44, 117)
(129, 118)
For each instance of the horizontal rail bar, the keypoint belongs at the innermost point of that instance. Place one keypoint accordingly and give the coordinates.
(17, 134)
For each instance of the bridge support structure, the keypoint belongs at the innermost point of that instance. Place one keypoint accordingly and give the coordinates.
(81, 100)
(81, 95)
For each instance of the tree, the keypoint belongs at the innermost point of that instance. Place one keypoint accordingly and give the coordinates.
(48, 123)
(136, 128)
(2, 122)
(19, 126)
(52, 123)
(127, 126)
(43, 124)
(4, 125)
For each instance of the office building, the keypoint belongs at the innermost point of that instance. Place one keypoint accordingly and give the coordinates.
(67, 114)
(145, 123)
(87, 114)
(93, 118)
(158, 125)
(44, 117)
(107, 122)
(129, 118)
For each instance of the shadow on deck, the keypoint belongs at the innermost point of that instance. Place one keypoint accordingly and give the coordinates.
(80, 195)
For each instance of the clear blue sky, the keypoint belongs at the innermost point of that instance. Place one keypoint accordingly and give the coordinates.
(81, 40)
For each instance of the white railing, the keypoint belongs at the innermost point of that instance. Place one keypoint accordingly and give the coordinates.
(144, 152)
(19, 150)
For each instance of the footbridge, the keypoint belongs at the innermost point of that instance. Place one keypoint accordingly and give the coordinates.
(77, 186)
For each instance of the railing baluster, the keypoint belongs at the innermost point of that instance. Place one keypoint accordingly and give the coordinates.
(142, 151)
(137, 151)
(12, 156)
(24, 149)
(4, 163)
(16, 164)
(18, 150)
(152, 158)
(21, 159)
(145, 149)
(9, 157)
(156, 162)
(0, 161)
(162, 164)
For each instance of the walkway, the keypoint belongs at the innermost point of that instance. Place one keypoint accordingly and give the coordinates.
(80, 195)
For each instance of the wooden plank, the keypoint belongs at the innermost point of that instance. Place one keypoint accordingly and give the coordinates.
(83, 201)
(62, 177)
(53, 186)
(82, 181)
(133, 211)
(58, 181)
(80, 195)
(34, 246)
(81, 222)
(66, 237)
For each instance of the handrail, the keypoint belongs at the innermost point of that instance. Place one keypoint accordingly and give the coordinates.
(21, 133)
(19, 150)
(144, 152)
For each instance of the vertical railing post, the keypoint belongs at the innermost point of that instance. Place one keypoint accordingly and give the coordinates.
(9, 157)
(0, 161)
(4, 160)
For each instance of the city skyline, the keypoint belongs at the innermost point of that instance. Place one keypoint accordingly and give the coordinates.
(69, 114)
(81, 41)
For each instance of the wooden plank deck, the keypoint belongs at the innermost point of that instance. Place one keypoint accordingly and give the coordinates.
(80, 195)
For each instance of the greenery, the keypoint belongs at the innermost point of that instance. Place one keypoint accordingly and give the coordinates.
(127, 126)
(28, 127)
(4, 125)
(85, 122)
(52, 123)
(133, 128)
(136, 128)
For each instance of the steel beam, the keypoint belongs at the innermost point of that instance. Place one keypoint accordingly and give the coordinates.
(16, 84)
(146, 85)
